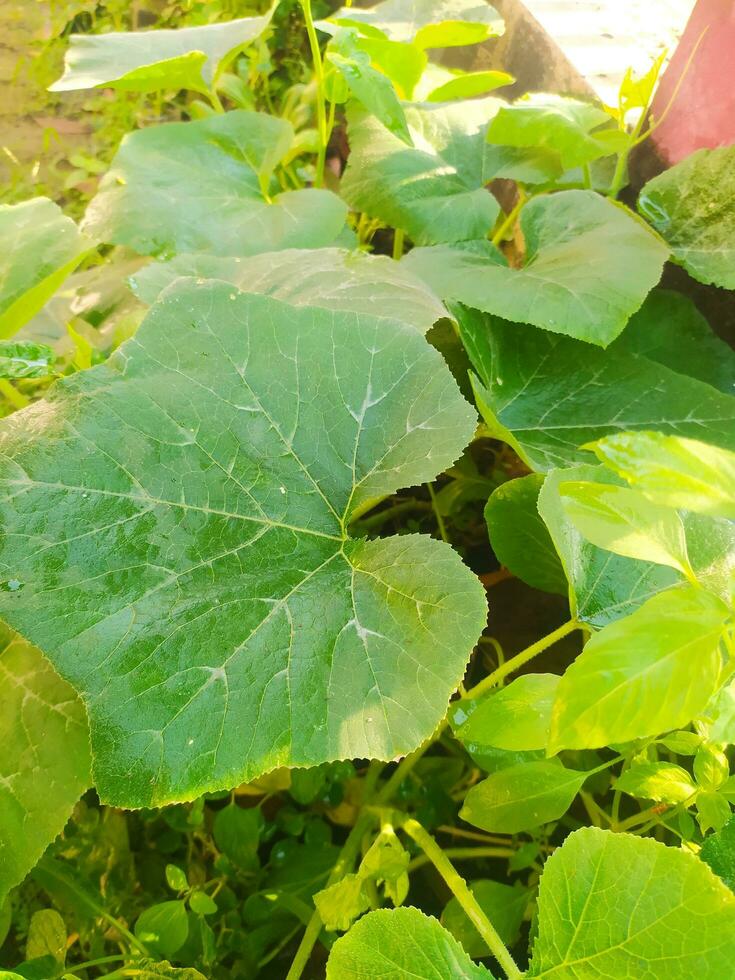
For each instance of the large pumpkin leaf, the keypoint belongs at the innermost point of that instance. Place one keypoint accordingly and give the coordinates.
(176, 526)
(690, 205)
(205, 186)
(143, 61)
(588, 267)
(39, 248)
(330, 277)
(548, 396)
(651, 672)
(426, 23)
(615, 905)
(435, 190)
(44, 765)
(400, 944)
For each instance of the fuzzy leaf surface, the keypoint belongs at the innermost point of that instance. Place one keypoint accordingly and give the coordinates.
(177, 519)
(615, 905)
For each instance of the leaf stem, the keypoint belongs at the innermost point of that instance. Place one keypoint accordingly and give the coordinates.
(398, 243)
(510, 219)
(463, 853)
(458, 887)
(439, 519)
(522, 658)
(321, 108)
(88, 963)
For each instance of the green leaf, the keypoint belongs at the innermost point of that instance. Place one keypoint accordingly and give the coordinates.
(404, 64)
(636, 91)
(681, 743)
(662, 782)
(45, 765)
(468, 85)
(22, 359)
(202, 904)
(372, 89)
(588, 266)
(668, 329)
(516, 717)
(435, 190)
(522, 797)
(615, 905)
(718, 851)
(713, 811)
(144, 61)
(148, 970)
(690, 205)
(176, 878)
(196, 489)
(237, 833)
(39, 248)
(626, 522)
(46, 936)
(519, 537)
(426, 23)
(670, 470)
(340, 904)
(548, 396)
(201, 187)
(504, 905)
(400, 944)
(164, 927)
(721, 715)
(332, 278)
(555, 123)
(648, 673)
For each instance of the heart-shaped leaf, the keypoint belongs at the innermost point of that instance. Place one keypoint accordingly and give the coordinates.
(690, 205)
(144, 61)
(615, 905)
(177, 526)
(205, 186)
(44, 765)
(588, 267)
(435, 190)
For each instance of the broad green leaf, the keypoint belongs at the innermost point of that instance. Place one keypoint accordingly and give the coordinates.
(651, 672)
(690, 205)
(46, 935)
(670, 470)
(434, 191)
(670, 330)
(713, 811)
(426, 23)
(201, 187)
(547, 396)
(468, 85)
(504, 905)
(516, 717)
(372, 89)
(144, 61)
(662, 782)
(587, 268)
(39, 248)
(519, 537)
(195, 491)
(22, 359)
(720, 715)
(615, 905)
(522, 797)
(564, 126)
(404, 64)
(626, 522)
(163, 927)
(333, 278)
(400, 944)
(718, 851)
(44, 766)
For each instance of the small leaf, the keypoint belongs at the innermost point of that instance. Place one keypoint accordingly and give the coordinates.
(662, 782)
(652, 671)
(176, 878)
(400, 943)
(403, 64)
(468, 85)
(519, 536)
(516, 718)
(720, 714)
(677, 472)
(47, 936)
(522, 797)
(681, 743)
(148, 970)
(636, 91)
(564, 233)
(39, 248)
(426, 23)
(713, 811)
(21, 359)
(164, 927)
(237, 833)
(340, 904)
(718, 851)
(611, 903)
(690, 205)
(145, 61)
(504, 905)
(711, 767)
(627, 523)
(202, 904)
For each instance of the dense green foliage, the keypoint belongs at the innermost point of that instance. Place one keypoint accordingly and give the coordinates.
(292, 402)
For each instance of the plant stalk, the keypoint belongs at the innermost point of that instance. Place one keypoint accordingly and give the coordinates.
(321, 107)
